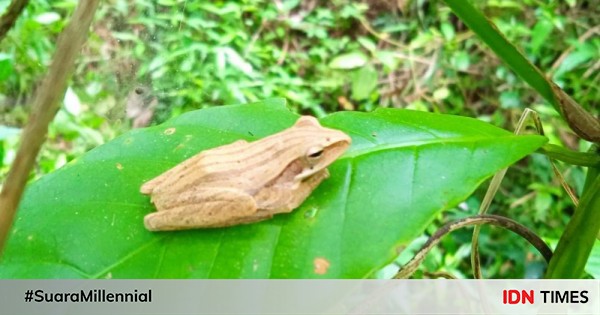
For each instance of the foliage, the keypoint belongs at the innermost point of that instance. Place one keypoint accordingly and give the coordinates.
(394, 178)
(341, 55)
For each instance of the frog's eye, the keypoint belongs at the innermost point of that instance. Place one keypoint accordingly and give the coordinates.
(314, 153)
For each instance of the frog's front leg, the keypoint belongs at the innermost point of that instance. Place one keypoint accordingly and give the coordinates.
(203, 208)
(282, 198)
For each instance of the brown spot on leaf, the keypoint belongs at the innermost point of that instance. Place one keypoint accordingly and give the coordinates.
(119, 166)
(321, 265)
(169, 131)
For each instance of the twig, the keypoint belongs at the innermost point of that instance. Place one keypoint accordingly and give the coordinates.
(408, 269)
(10, 17)
(493, 188)
(286, 46)
(255, 37)
(45, 106)
(439, 274)
(382, 37)
(564, 184)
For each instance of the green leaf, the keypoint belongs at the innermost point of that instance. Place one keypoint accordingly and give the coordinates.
(441, 94)
(367, 43)
(461, 60)
(403, 168)
(6, 66)
(510, 99)
(349, 61)
(448, 31)
(539, 35)
(388, 59)
(593, 264)
(576, 243)
(581, 55)
(364, 81)
(47, 18)
(238, 62)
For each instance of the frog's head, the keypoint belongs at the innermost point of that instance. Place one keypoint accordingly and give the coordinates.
(321, 146)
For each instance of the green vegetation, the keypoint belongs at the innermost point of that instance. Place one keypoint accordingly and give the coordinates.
(164, 58)
(366, 189)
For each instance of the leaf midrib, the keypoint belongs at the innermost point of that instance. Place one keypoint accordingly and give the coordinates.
(408, 144)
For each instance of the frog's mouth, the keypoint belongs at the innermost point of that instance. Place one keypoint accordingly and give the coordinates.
(330, 154)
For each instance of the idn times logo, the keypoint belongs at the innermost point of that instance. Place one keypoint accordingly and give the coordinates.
(547, 296)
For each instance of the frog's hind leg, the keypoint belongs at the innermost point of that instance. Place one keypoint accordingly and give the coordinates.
(206, 208)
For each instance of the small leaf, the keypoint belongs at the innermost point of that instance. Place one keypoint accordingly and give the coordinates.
(510, 99)
(349, 61)
(582, 54)
(364, 81)
(461, 60)
(47, 18)
(367, 43)
(388, 59)
(238, 62)
(447, 30)
(441, 93)
(220, 62)
(540, 33)
(72, 103)
(6, 66)
(543, 201)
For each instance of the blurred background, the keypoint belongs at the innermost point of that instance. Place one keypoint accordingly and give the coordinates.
(147, 61)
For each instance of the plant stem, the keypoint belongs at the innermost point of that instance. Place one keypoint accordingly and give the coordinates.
(45, 106)
(10, 16)
(409, 268)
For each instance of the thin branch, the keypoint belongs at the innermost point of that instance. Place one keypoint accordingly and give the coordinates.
(45, 106)
(477, 220)
(381, 36)
(439, 274)
(286, 47)
(493, 188)
(255, 37)
(564, 184)
(10, 17)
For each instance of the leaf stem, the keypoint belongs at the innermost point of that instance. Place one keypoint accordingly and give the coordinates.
(571, 157)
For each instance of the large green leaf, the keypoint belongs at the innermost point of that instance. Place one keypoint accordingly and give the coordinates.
(403, 168)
